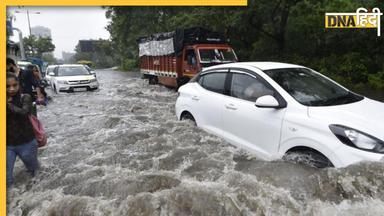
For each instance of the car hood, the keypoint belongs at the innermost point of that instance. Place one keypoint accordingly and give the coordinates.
(366, 115)
(75, 78)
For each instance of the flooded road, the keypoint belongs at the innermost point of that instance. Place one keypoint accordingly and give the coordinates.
(121, 151)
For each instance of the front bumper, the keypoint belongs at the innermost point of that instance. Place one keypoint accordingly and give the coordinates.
(348, 155)
(73, 88)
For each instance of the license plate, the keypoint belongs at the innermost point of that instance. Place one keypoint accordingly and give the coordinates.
(79, 89)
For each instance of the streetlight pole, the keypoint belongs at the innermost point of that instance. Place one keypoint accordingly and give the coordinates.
(29, 24)
(29, 21)
(30, 32)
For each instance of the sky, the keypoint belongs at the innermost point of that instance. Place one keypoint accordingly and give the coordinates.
(68, 24)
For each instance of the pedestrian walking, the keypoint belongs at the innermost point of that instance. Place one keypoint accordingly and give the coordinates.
(38, 81)
(20, 135)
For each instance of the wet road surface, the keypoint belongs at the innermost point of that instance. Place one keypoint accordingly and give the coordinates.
(121, 151)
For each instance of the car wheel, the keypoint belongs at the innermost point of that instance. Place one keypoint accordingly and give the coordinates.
(186, 116)
(308, 157)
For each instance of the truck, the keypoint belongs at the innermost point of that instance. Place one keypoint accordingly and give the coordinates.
(173, 58)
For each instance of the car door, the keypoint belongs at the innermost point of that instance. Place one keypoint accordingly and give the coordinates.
(208, 101)
(256, 129)
(47, 76)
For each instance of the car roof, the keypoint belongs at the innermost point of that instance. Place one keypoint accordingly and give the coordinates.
(24, 62)
(70, 65)
(259, 65)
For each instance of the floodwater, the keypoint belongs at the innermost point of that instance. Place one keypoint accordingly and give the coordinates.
(121, 151)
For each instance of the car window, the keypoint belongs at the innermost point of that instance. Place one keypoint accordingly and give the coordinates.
(50, 69)
(213, 82)
(248, 88)
(310, 88)
(72, 71)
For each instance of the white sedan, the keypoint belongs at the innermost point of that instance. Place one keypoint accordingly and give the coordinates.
(276, 109)
(72, 78)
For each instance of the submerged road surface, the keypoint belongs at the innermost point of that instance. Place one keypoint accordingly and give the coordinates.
(121, 151)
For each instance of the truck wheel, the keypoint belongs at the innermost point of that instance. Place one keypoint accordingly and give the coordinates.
(181, 81)
(152, 80)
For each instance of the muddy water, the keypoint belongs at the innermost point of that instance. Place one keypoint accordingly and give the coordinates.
(121, 151)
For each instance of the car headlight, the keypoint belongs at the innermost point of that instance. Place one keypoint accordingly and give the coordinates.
(62, 82)
(357, 139)
(93, 80)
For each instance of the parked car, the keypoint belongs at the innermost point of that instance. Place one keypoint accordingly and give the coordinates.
(276, 109)
(24, 64)
(72, 78)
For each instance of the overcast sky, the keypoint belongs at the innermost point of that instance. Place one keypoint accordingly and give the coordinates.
(68, 24)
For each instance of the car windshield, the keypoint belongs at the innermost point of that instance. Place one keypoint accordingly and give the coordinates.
(217, 55)
(310, 88)
(72, 71)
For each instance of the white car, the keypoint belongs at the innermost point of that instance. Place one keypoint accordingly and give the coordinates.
(48, 71)
(72, 78)
(276, 109)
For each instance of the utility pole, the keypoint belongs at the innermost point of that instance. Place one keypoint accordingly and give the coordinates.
(30, 33)
(29, 21)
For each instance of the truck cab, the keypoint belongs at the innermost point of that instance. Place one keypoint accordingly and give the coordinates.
(197, 57)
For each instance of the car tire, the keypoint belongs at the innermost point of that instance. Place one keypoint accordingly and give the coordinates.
(308, 157)
(186, 116)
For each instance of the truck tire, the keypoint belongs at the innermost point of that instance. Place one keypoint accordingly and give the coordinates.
(181, 81)
(152, 80)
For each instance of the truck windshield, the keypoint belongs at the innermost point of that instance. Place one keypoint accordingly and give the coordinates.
(217, 55)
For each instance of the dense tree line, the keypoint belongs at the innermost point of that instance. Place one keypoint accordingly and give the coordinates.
(101, 56)
(283, 30)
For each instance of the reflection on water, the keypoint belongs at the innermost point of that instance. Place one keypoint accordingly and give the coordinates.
(121, 151)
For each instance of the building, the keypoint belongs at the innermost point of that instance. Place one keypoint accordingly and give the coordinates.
(41, 31)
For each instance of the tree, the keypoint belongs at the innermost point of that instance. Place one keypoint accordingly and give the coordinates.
(49, 58)
(102, 54)
(36, 46)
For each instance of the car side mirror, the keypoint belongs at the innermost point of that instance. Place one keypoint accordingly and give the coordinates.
(267, 101)
(51, 74)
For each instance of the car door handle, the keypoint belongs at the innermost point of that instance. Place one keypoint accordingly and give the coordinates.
(231, 107)
(195, 98)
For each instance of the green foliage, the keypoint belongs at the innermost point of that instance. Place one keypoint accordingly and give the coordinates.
(103, 55)
(49, 58)
(36, 46)
(129, 64)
